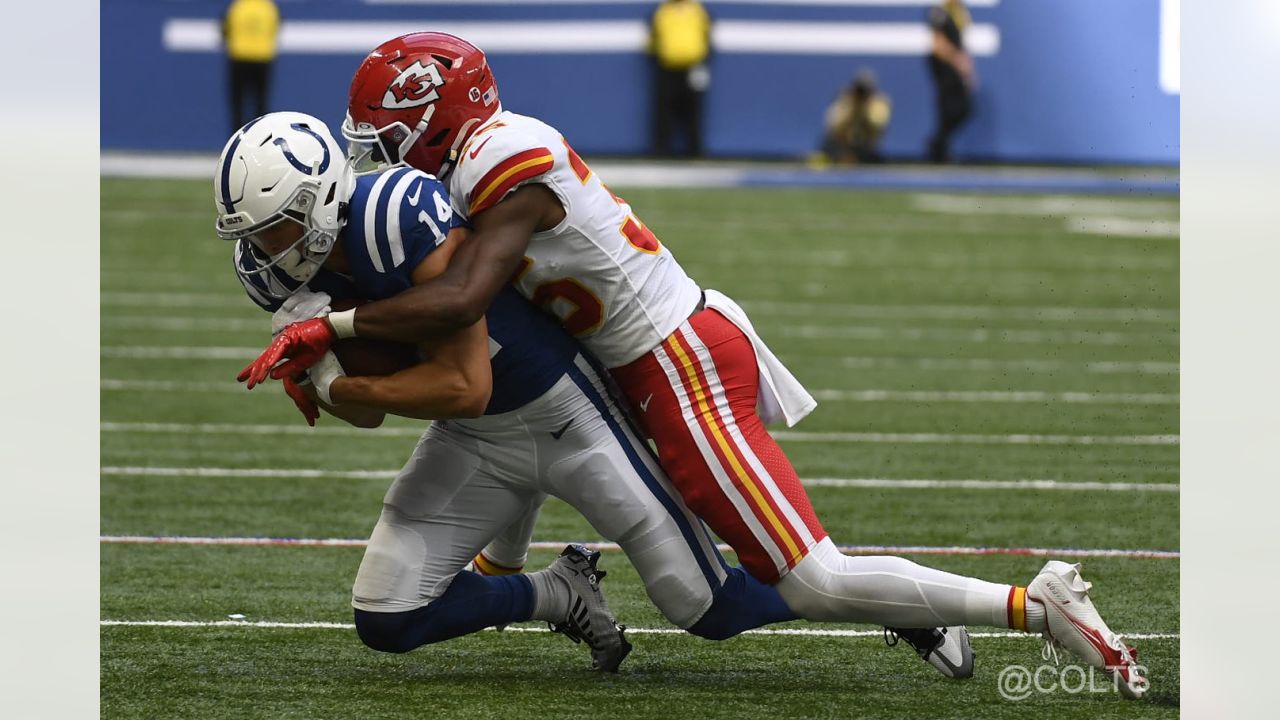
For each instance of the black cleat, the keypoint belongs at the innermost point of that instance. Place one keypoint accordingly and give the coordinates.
(947, 649)
(590, 619)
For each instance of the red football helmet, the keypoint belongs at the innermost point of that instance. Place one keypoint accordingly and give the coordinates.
(415, 100)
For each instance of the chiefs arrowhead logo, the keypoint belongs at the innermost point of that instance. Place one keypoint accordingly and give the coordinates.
(414, 86)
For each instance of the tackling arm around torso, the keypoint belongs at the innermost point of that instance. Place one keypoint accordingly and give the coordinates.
(458, 297)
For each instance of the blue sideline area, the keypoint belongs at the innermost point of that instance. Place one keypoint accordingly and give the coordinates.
(993, 179)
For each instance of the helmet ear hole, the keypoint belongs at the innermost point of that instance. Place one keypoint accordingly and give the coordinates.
(333, 190)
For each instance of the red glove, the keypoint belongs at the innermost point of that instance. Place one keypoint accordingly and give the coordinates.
(303, 344)
(308, 408)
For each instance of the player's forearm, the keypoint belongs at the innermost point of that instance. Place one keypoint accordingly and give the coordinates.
(454, 300)
(419, 314)
(361, 417)
(425, 392)
(352, 414)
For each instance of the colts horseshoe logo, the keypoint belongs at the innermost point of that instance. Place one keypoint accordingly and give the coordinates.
(293, 159)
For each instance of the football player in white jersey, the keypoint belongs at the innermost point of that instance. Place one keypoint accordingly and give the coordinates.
(696, 375)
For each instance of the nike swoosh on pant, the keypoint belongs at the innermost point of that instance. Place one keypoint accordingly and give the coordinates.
(560, 432)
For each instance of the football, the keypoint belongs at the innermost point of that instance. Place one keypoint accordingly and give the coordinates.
(367, 356)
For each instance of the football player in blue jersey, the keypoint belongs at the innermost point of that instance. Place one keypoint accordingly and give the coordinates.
(528, 415)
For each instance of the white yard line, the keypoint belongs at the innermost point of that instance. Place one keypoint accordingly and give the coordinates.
(169, 299)
(1128, 227)
(1051, 205)
(166, 386)
(995, 396)
(973, 439)
(225, 472)
(830, 394)
(836, 330)
(815, 260)
(261, 324)
(785, 435)
(613, 547)
(888, 483)
(977, 335)
(962, 312)
(931, 483)
(793, 632)
(180, 352)
(265, 430)
(1088, 216)
(165, 299)
(1028, 365)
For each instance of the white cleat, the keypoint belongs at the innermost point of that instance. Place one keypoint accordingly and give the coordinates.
(1074, 623)
(946, 649)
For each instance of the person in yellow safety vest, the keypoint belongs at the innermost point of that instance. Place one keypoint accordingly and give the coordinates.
(250, 29)
(680, 42)
(854, 123)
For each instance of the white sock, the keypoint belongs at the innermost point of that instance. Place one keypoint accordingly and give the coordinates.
(551, 596)
(1036, 620)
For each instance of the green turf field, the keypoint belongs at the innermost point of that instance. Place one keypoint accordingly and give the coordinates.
(947, 337)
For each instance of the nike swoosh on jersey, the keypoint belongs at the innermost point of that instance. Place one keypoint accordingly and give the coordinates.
(476, 151)
(644, 406)
(417, 192)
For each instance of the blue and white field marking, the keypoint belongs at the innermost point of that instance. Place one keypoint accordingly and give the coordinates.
(203, 37)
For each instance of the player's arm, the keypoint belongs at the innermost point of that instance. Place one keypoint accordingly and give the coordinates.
(459, 296)
(310, 404)
(454, 382)
(454, 379)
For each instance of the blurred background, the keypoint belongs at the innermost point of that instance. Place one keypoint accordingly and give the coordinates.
(1086, 82)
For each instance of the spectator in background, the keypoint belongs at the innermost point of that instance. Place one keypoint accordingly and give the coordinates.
(952, 71)
(855, 122)
(680, 41)
(249, 29)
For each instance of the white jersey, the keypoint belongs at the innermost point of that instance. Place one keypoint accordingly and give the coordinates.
(601, 271)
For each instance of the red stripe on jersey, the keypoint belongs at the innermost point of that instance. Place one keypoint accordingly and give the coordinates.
(506, 175)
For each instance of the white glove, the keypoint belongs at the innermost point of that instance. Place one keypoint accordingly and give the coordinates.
(302, 305)
(323, 373)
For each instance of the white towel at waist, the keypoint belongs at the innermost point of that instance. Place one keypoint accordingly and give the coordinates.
(781, 397)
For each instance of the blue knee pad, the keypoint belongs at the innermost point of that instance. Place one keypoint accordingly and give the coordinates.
(472, 602)
(742, 603)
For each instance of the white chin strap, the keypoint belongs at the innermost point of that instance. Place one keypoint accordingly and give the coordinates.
(416, 133)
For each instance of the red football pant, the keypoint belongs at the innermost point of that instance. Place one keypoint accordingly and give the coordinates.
(695, 395)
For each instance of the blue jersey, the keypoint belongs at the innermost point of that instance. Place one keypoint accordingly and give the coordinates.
(398, 218)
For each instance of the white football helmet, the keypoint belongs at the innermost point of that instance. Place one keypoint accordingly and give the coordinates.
(281, 167)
